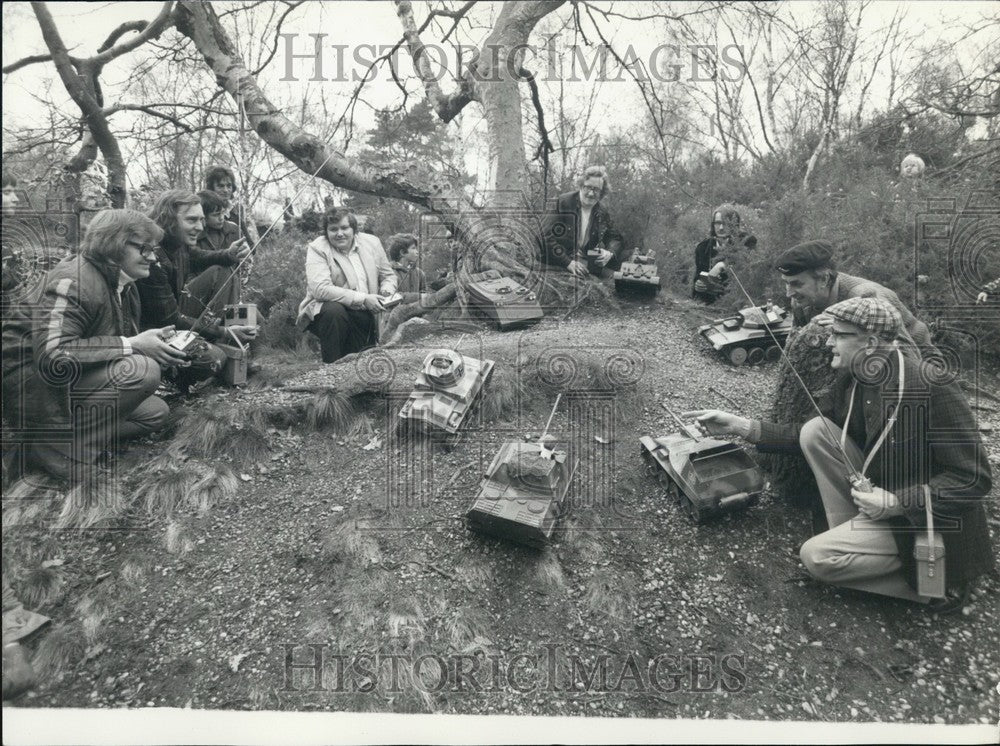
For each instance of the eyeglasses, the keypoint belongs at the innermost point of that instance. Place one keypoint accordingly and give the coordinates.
(591, 189)
(146, 249)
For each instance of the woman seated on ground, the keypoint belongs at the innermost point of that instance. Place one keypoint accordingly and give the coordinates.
(725, 242)
(348, 276)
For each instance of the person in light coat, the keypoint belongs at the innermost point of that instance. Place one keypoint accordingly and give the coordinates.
(348, 275)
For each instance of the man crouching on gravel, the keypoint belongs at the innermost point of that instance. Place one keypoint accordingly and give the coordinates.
(912, 434)
(74, 360)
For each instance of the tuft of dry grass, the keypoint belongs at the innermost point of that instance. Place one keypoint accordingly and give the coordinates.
(406, 622)
(502, 394)
(330, 410)
(468, 630)
(204, 432)
(97, 499)
(177, 538)
(352, 540)
(92, 610)
(28, 500)
(247, 444)
(60, 648)
(608, 594)
(217, 484)
(172, 485)
(134, 568)
(40, 586)
(548, 572)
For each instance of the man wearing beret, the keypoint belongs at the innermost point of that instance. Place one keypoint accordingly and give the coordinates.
(911, 434)
(813, 283)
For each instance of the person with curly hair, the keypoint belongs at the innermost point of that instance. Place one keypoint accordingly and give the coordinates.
(579, 235)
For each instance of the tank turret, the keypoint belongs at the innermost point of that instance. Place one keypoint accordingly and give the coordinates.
(445, 390)
(522, 493)
(638, 275)
(503, 300)
(753, 335)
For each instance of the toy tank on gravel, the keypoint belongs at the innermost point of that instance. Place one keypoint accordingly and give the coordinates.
(638, 275)
(503, 300)
(710, 477)
(445, 390)
(522, 494)
(752, 336)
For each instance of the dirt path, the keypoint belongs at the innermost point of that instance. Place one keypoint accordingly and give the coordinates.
(632, 611)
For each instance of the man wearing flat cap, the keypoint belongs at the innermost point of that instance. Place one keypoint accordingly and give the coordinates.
(911, 434)
(813, 283)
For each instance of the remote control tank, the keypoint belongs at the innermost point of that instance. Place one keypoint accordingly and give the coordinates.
(503, 300)
(522, 494)
(709, 476)
(445, 390)
(639, 275)
(753, 335)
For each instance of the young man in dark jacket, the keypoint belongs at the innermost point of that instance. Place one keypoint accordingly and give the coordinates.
(725, 242)
(171, 294)
(581, 225)
(78, 375)
(906, 428)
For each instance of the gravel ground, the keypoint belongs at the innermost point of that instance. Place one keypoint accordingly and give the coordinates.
(632, 611)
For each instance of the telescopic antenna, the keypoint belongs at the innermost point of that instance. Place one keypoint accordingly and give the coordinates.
(551, 415)
(853, 474)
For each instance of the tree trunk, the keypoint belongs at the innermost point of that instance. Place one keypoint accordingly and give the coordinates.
(504, 236)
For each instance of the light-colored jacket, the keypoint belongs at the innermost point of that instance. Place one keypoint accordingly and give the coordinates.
(327, 271)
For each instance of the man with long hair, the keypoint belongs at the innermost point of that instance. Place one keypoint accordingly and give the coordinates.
(173, 294)
(74, 358)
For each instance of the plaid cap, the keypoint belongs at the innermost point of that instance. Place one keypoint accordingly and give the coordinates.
(871, 314)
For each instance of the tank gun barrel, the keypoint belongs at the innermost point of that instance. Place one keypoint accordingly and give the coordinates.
(678, 420)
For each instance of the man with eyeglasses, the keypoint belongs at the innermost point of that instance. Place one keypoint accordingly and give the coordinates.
(911, 434)
(813, 284)
(579, 235)
(72, 347)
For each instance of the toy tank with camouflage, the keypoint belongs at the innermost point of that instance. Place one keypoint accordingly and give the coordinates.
(752, 336)
(522, 494)
(445, 390)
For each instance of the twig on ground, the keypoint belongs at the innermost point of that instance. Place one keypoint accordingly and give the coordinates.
(719, 393)
(435, 568)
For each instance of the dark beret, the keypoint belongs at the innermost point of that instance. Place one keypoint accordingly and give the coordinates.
(808, 255)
